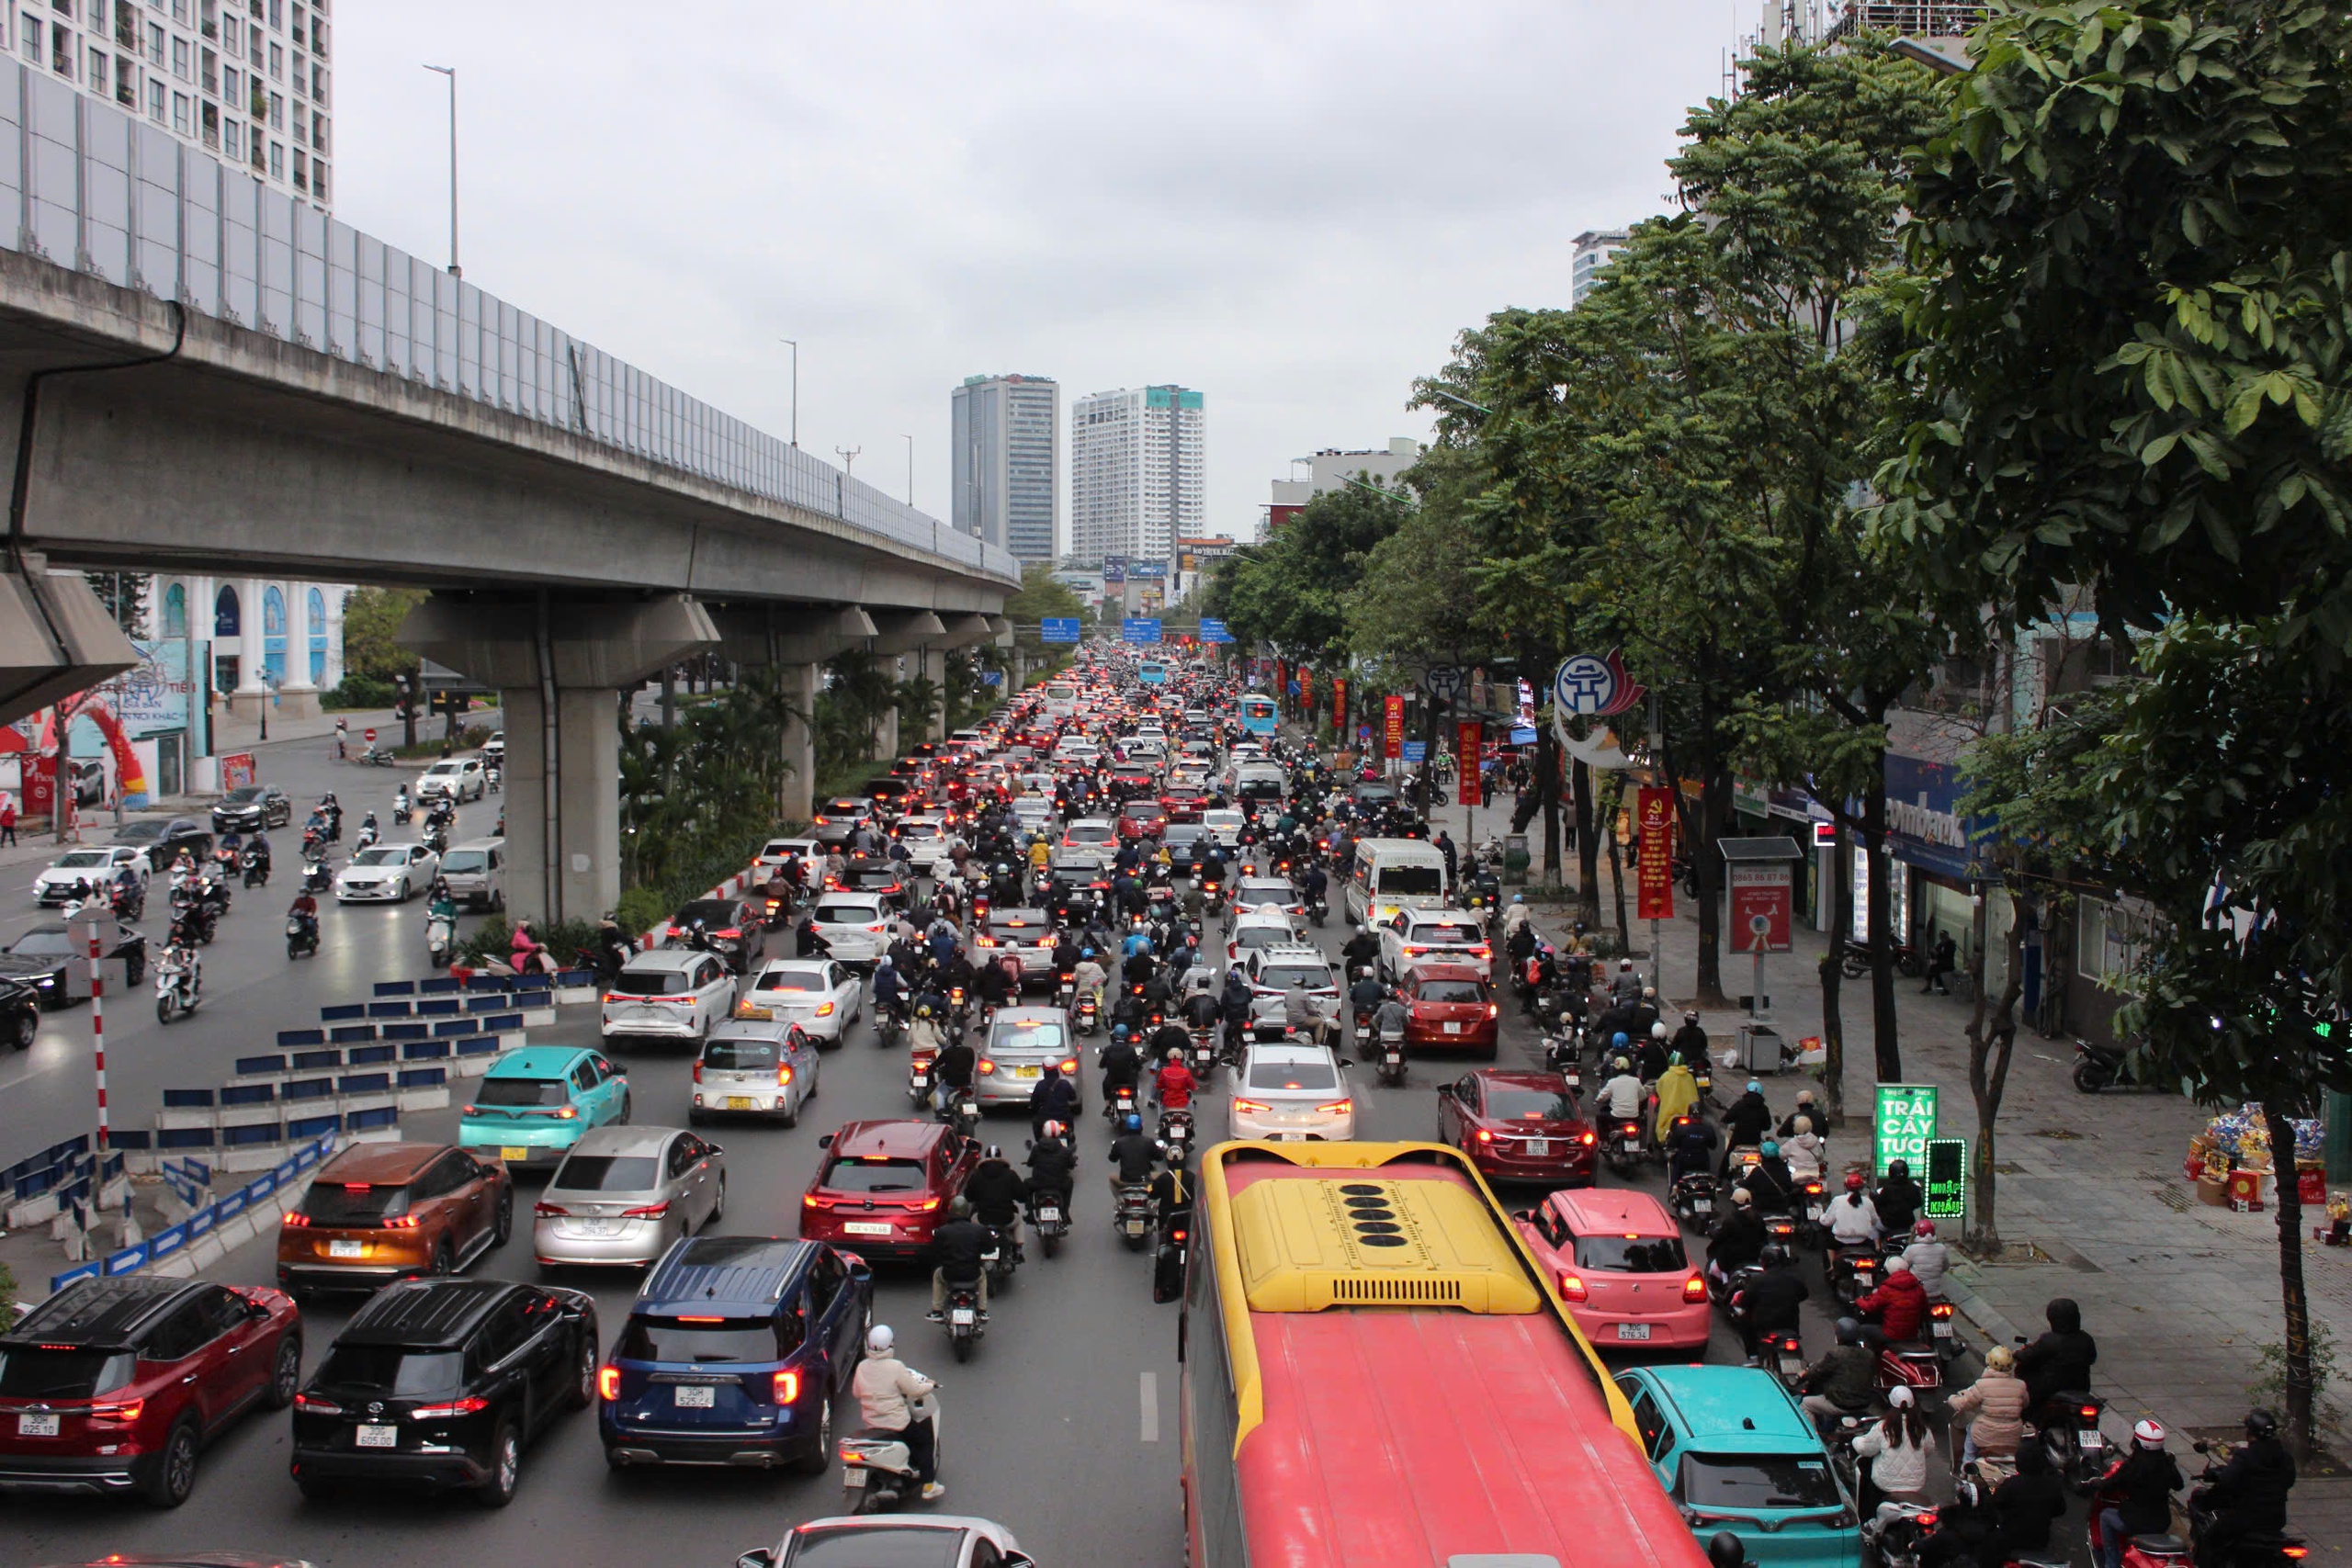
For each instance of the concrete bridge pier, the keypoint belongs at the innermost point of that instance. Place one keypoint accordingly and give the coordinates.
(560, 662)
(796, 639)
(900, 632)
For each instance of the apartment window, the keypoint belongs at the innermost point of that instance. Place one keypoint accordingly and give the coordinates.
(301, 129)
(232, 141)
(211, 114)
(319, 133)
(233, 37)
(155, 100)
(299, 29)
(207, 73)
(29, 38)
(183, 117)
(258, 99)
(277, 111)
(301, 171)
(317, 179)
(2111, 942)
(318, 83)
(208, 18)
(276, 63)
(254, 50)
(63, 8)
(301, 74)
(277, 160)
(180, 65)
(277, 14)
(98, 69)
(319, 37)
(179, 12)
(126, 81)
(61, 50)
(155, 44)
(232, 85)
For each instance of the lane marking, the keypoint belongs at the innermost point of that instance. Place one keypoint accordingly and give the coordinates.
(1150, 1407)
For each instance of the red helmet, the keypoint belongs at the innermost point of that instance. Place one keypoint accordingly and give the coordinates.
(1925, 1228)
(1854, 1182)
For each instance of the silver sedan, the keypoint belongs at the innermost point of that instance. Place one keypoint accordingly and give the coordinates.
(623, 1194)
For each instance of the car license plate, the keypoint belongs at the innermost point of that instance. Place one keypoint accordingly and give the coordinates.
(379, 1438)
(741, 1102)
(1049, 1216)
(37, 1424)
(510, 1152)
(595, 1227)
(1538, 1145)
(1943, 1329)
(694, 1396)
(1454, 1029)
(1632, 1331)
(962, 1317)
(346, 1249)
(1024, 1072)
(867, 1227)
(1289, 1137)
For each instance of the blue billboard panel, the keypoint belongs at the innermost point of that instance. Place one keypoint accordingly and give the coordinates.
(1213, 631)
(1139, 628)
(1417, 750)
(1058, 629)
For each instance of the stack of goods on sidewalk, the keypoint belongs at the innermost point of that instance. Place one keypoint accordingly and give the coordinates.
(2233, 1165)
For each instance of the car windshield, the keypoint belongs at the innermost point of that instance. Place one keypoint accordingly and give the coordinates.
(1306, 1075)
(739, 1056)
(650, 982)
(353, 1203)
(139, 833)
(51, 1371)
(76, 859)
(1089, 834)
(1451, 992)
(381, 855)
(1027, 1035)
(848, 915)
(1412, 879)
(714, 913)
(1529, 1104)
(444, 770)
(523, 1091)
(607, 1173)
(1017, 920)
(1248, 937)
(1735, 1482)
(244, 795)
(461, 863)
(1283, 976)
(1632, 1254)
(715, 1339)
(875, 1173)
(1459, 934)
(390, 1370)
(791, 980)
(871, 877)
(47, 942)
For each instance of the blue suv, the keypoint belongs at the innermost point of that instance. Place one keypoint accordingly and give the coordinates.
(734, 1354)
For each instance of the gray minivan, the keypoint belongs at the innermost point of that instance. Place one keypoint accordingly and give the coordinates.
(476, 872)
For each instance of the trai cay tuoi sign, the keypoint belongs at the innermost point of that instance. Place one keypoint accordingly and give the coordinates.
(1903, 1126)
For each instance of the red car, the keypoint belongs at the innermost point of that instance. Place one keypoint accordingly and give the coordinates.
(1184, 804)
(885, 1185)
(1450, 1006)
(1616, 1257)
(116, 1385)
(1517, 1126)
(1142, 819)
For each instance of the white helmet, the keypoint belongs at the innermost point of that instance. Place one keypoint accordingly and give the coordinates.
(879, 1340)
(1658, 1031)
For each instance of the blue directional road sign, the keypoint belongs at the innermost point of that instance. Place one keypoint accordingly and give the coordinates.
(1054, 629)
(1417, 750)
(991, 677)
(1213, 631)
(1139, 628)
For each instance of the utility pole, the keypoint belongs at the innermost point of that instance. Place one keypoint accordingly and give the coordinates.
(910, 467)
(848, 455)
(793, 343)
(451, 73)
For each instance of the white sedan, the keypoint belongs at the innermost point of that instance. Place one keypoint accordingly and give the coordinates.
(396, 873)
(822, 997)
(98, 865)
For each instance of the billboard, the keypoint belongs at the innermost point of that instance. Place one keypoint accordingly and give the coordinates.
(1115, 569)
(1140, 630)
(1760, 899)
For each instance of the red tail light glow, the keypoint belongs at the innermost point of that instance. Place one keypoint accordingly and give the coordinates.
(1572, 1288)
(125, 1413)
(608, 1384)
(1247, 1106)
(783, 1077)
(297, 1218)
(787, 1387)
(550, 1212)
(649, 1211)
(470, 1404)
(1694, 1288)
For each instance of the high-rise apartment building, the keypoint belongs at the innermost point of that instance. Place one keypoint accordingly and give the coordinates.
(1139, 472)
(1005, 454)
(248, 81)
(1592, 250)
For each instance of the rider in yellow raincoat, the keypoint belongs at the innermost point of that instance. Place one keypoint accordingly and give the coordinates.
(1678, 1094)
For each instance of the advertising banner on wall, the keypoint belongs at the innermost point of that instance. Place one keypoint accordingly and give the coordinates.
(1653, 861)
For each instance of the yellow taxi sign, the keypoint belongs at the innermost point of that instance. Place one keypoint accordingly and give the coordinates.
(754, 1011)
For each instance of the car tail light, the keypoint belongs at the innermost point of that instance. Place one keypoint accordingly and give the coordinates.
(1694, 1288)
(1493, 1012)
(927, 1205)
(608, 1384)
(811, 1200)
(1337, 1108)
(645, 1211)
(2294, 1554)
(1572, 1288)
(788, 1388)
(126, 1413)
(550, 1212)
(1588, 1140)
(297, 1219)
(986, 1067)
(783, 1077)
(473, 1404)
(697, 1070)
(1485, 1136)
(568, 1113)
(1247, 1106)
(402, 1222)
(826, 1010)
(316, 1406)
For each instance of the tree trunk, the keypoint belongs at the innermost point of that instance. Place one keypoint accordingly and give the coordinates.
(1429, 750)
(1588, 847)
(1833, 974)
(1882, 936)
(1714, 815)
(668, 696)
(1547, 790)
(2278, 1120)
(1992, 1037)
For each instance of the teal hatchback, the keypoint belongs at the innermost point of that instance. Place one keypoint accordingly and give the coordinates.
(1735, 1453)
(534, 1103)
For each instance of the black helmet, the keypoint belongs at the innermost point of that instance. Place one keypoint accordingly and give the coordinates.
(994, 1151)
(1898, 1167)
(1850, 1331)
(2261, 1424)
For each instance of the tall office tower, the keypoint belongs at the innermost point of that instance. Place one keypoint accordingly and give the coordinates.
(1006, 456)
(1139, 472)
(1593, 251)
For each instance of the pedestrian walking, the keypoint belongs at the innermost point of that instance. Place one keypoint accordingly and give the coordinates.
(8, 821)
(1940, 956)
(342, 739)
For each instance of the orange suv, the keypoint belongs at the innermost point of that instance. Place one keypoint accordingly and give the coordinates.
(378, 1213)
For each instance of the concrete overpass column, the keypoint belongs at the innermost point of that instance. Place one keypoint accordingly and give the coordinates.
(298, 691)
(560, 666)
(251, 690)
(898, 632)
(886, 743)
(795, 640)
(801, 685)
(934, 664)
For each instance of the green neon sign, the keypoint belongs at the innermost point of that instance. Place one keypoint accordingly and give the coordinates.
(1946, 1180)
(1904, 1125)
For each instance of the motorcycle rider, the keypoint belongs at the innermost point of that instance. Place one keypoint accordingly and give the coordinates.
(1651, 1059)
(1299, 1012)
(951, 1073)
(2248, 1494)
(1852, 1220)
(1927, 1259)
(1054, 1102)
(180, 963)
(1121, 1063)
(1690, 1042)
(996, 1192)
(1363, 949)
(1090, 976)
(1172, 1197)
(1620, 1098)
(305, 908)
(1738, 1240)
(886, 1391)
(1391, 1017)
(1898, 1198)
(1690, 1149)
(2141, 1484)
(526, 955)
(2059, 1362)
(1804, 1107)
(255, 859)
(1769, 1181)
(1842, 1383)
(2026, 1505)
(1626, 986)
(958, 1246)
(1769, 1303)
(1132, 1155)
(890, 986)
(1052, 1165)
(1900, 1303)
(1234, 1003)
(1747, 1121)
(1802, 1148)
(1173, 1085)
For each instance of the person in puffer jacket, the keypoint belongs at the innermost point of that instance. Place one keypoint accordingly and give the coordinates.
(1900, 1305)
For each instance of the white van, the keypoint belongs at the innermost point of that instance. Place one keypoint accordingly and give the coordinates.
(1061, 699)
(476, 872)
(1393, 875)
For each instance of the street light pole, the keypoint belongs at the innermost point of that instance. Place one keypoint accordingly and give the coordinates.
(910, 467)
(794, 345)
(848, 455)
(451, 73)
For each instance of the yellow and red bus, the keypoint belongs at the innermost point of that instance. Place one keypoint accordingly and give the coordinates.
(1377, 1374)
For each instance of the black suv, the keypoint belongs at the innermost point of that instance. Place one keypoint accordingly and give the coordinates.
(442, 1383)
(250, 809)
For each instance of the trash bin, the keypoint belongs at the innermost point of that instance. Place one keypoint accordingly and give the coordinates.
(1515, 857)
(1758, 1049)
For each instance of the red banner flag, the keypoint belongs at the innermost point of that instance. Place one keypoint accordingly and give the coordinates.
(1340, 708)
(1469, 741)
(1393, 729)
(1654, 861)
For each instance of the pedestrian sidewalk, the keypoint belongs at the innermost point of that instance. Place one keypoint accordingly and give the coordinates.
(2093, 1203)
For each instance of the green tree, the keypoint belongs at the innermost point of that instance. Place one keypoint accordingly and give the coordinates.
(124, 593)
(371, 618)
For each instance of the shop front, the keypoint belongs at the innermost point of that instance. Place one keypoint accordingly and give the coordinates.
(1934, 874)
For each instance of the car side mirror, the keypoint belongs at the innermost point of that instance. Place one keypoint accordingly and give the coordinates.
(763, 1557)
(715, 1148)
(619, 1071)
(826, 1142)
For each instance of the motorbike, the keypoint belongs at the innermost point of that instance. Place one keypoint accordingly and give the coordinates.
(1913, 1364)
(2101, 1066)
(495, 779)
(316, 877)
(367, 838)
(2069, 1434)
(441, 940)
(962, 1112)
(889, 1025)
(919, 1075)
(436, 839)
(2268, 1549)
(1856, 960)
(1049, 1216)
(1940, 1331)
(301, 937)
(1391, 1057)
(1132, 1217)
(1117, 1105)
(1813, 1202)
(1318, 909)
(1623, 1148)
(1693, 1200)
(1856, 1274)
(1004, 1256)
(178, 988)
(377, 756)
(129, 900)
(1782, 1352)
(878, 1468)
(1175, 1133)
(1203, 1056)
(1895, 1531)
(255, 868)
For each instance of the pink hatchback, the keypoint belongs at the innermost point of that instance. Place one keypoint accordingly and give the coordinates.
(1615, 1255)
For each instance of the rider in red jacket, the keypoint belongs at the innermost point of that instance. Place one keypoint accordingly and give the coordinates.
(1175, 1084)
(1900, 1305)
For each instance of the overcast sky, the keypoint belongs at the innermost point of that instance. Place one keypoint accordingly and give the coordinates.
(1291, 206)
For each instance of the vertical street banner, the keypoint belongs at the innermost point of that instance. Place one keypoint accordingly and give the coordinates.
(1469, 741)
(1654, 881)
(1339, 704)
(1393, 727)
(1307, 693)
